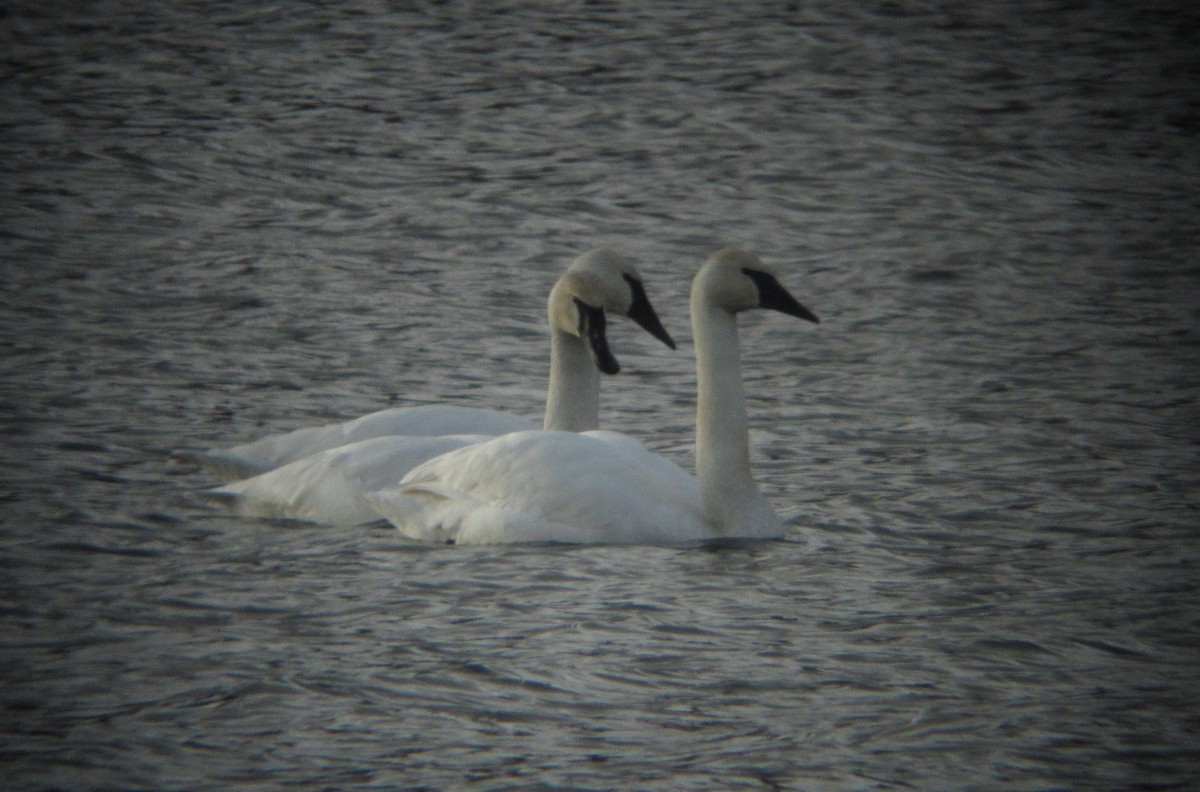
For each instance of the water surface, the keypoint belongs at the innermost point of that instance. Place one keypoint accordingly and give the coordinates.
(224, 220)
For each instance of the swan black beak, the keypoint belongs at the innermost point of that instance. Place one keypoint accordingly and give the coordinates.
(592, 331)
(642, 312)
(773, 296)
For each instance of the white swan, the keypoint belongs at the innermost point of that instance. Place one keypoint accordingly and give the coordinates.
(603, 487)
(328, 486)
(600, 277)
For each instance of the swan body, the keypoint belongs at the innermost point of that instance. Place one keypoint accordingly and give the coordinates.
(547, 486)
(604, 487)
(375, 451)
(426, 420)
(327, 487)
(600, 278)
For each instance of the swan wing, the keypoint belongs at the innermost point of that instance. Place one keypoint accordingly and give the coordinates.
(274, 451)
(328, 487)
(547, 486)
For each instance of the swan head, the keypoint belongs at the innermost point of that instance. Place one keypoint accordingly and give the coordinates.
(734, 281)
(625, 291)
(577, 308)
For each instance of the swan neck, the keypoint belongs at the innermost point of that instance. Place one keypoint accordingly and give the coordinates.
(731, 498)
(573, 396)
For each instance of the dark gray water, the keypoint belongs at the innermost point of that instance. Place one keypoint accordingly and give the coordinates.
(222, 220)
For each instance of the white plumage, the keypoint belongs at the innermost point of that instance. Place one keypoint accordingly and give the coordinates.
(320, 473)
(327, 487)
(604, 487)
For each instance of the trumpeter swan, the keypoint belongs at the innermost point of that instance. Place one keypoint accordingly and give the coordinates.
(572, 401)
(328, 486)
(603, 487)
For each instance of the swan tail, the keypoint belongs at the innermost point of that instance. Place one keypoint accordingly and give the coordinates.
(237, 503)
(244, 499)
(223, 464)
(329, 508)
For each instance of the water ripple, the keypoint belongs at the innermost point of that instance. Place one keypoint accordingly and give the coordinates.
(235, 222)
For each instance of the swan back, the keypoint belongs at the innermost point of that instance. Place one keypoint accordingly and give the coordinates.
(327, 487)
(426, 420)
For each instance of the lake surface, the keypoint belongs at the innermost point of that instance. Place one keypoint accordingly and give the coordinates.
(224, 220)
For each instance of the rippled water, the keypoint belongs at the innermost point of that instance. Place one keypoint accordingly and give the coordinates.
(224, 220)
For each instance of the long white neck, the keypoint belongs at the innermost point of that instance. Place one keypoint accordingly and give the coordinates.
(573, 398)
(731, 498)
